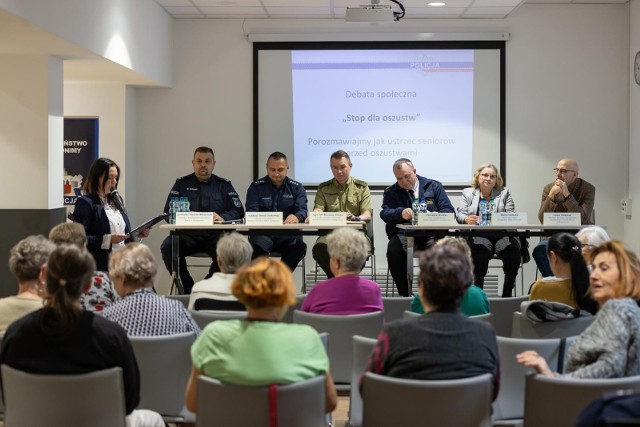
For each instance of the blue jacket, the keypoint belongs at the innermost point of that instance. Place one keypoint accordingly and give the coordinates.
(290, 198)
(94, 219)
(396, 199)
(216, 195)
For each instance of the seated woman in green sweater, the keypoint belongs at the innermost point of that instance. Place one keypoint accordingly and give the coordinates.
(570, 281)
(475, 301)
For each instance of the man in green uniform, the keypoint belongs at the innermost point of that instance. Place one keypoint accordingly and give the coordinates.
(343, 193)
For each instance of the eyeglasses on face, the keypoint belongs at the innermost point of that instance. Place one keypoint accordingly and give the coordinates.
(488, 176)
(562, 171)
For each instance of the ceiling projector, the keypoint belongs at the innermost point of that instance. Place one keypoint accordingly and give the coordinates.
(373, 12)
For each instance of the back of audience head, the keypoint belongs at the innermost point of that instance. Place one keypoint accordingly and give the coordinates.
(350, 247)
(457, 242)
(69, 273)
(446, 272)
(591, 237)
(567, 248)
(628, 265)
(70, 233)
(133, 267)
(234, 251)
(28, 256)
(265, 282)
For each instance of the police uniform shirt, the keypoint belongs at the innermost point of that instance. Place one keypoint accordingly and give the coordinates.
(290, 198)
(215, 195)
(354, 197)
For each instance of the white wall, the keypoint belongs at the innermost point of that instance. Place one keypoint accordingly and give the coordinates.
(566, 96)
(135, 34)
(631, 227)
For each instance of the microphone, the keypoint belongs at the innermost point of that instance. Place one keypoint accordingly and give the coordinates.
(117, 200)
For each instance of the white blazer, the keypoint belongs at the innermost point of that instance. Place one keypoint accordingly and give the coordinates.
(502, 202)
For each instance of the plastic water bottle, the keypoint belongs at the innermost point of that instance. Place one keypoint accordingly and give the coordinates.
(184, 204)
(423, 206)
(173, 207)
(486, 208)
(415, 208)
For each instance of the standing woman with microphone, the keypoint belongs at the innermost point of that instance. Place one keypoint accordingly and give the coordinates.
(101, 211)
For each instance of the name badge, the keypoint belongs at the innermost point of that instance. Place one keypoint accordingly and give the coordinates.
(436, 218)
(263, 218)
(562, 218)
(194, 218)
(509, 218)
(327, 218)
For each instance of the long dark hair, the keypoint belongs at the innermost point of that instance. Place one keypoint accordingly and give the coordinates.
(99, 169)
(568, 248)
(69, 269)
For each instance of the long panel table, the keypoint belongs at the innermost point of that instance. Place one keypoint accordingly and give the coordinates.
(465, 230)
(175, 231)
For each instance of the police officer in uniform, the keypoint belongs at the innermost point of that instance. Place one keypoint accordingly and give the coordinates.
(276, 192)
(343, 193)
(206, 193)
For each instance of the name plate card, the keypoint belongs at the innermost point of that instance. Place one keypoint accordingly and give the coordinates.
(263, 218)
(194, 218)
(562, 218)
(508, 218)
(327, 218)
(436, 218)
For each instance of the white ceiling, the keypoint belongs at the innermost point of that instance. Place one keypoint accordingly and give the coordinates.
(217, 9)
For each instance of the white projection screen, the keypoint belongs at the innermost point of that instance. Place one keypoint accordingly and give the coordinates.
(440, 104)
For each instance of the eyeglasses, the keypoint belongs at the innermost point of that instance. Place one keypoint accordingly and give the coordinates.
(562, 171)
(487, 176)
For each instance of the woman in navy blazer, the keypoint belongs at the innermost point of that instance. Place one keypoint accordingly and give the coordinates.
(106, 226)
(488, 184)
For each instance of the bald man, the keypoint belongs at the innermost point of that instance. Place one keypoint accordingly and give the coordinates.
(568, 193)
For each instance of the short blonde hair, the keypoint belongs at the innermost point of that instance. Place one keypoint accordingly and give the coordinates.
(628, 266)
(349, 246)
(265, 282)
(475, 182)
(134, 264)
(458, 242)
(70, 233)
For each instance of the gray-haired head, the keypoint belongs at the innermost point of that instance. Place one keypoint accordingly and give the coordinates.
(402, 161)
(593, 235)
(234, 251)
(28, 256)
(350, 247)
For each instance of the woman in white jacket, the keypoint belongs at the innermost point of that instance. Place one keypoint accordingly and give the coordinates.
(487, 186)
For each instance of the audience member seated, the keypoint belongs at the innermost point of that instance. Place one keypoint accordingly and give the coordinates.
(142, 312)
(260, 350)
(475, 301)
(101, 294)
(570, 281)
(26, 260)
(443, 343)
(346, 292)
(590, 238)
(610, 346)
(64, 339)
(233, 251)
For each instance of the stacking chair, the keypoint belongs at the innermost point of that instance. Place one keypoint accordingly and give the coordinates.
(299, 404)
(341, 329)
(203, 317)
(216, 304)
(95, 399)
(487, 317)
(410, 315)
(288, 316)
(165, 365)
(508, 408)
(525, 328)
(182, 298)
(444, 403)
(559, 401)
(362, 348)
(503, 309)
(395, 306)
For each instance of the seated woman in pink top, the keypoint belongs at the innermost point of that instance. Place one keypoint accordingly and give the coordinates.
(347, 292)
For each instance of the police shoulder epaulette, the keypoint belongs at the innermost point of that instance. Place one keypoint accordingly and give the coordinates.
(258, 181)
(294, 182)
(219, 178)
(183, 178)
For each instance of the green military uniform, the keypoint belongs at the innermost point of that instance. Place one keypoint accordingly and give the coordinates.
(353, 198)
